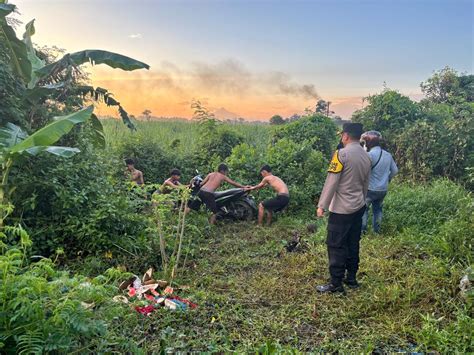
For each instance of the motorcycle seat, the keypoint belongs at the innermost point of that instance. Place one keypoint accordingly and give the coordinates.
(229, 192)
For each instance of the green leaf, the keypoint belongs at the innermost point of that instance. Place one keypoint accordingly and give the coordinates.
(93, 56)
(6, 9)
(51, 133)
(36, 63)
(16, 49)
(99, 137)
(11, 135)
(64, 152)
(39, 93)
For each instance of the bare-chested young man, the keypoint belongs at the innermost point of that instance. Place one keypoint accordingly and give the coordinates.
(172, 182)
(136, 175)
(275, 204)
(210, 184)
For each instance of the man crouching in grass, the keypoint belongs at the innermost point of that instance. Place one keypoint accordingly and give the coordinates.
(276, 204)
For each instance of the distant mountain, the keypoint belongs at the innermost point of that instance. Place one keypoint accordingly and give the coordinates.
(224, 114)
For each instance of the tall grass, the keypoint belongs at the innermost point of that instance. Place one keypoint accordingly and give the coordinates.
(165, 132)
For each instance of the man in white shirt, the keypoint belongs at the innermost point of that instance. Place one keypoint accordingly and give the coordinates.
(383, 169)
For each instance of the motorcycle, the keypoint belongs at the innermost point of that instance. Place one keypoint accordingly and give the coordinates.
(236, 204)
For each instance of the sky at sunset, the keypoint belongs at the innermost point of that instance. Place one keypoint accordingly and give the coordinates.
(254, 59)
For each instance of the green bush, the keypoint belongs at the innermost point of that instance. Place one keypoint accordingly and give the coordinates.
(216, 142)
(245, 163)
(47, 311)
(301, 167)
(78, 205)
(317, 129)
(151, 158)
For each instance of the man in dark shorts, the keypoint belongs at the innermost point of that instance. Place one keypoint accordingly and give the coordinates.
(210, 184)
(276, 204)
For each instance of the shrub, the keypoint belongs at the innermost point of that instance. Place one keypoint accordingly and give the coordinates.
(245, 163)
(216, 142)
(316, 129)
(76, 204)
(151, 158)
(301, 167)
(47, 311)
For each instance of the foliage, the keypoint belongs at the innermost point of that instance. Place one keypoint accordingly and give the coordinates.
(16, 144)
(277, 120)
(15, 48)
(11, 91)
(388, 112)
(46, 310)
(216, 142)
(77, 205)
(301, 167)
(447, 86)
(166, 209)
(317, 129)
(57, 81)
(322, 107)
(432, 138)
(245, 162)
(438, 216)
(150, 158)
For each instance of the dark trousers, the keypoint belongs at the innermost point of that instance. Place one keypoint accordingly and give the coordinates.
(343, 245)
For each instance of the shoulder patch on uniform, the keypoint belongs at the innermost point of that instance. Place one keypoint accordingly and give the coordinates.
(335, 166)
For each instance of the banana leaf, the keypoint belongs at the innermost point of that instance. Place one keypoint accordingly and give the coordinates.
(16, 49)
(36, 63)
(64, 152)
(6, 9)
(99, 137)
(52, 132)
(11, 135)
(93, 56)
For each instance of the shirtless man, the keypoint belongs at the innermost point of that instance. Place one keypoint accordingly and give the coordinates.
(172, 182)
(275, 204)
(210, 184)
(136, 175)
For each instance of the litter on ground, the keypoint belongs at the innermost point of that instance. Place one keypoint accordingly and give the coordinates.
(144, 296)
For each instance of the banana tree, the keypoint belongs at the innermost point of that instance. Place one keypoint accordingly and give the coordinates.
(55, 80)
(15, 143)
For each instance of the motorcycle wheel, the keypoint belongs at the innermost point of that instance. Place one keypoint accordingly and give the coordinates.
(243, 211)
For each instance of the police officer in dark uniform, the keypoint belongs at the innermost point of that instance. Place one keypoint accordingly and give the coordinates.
(343, 196)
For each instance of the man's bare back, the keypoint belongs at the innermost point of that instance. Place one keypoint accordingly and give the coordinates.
(214, 180)
(276, 183)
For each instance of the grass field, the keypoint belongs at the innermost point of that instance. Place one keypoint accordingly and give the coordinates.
(253, 295)
(166, 131)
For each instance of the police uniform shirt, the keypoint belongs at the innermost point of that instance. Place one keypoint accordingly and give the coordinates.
(347, 182)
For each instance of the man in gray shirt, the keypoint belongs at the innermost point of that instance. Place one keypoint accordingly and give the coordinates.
(344, 196)
(383, 170)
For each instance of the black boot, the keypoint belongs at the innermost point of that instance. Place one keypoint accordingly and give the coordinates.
(330, 288)
(351, 283)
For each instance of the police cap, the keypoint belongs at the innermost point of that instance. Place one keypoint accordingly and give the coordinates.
(355, 130)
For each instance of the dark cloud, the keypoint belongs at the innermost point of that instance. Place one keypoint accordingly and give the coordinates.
(283, 83)
(228, 76)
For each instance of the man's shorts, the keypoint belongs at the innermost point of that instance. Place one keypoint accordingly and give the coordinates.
(277, 203)
(209, 200)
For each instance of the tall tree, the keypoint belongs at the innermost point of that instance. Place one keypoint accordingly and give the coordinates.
(277, 120)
